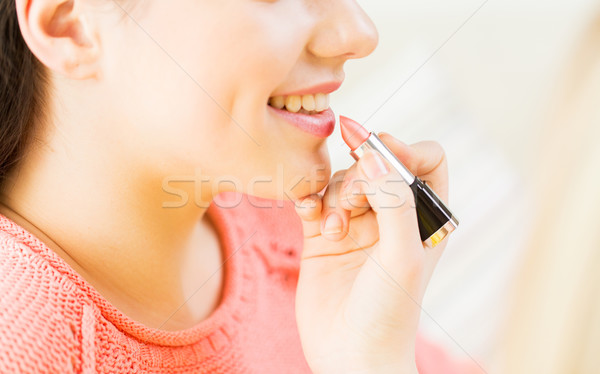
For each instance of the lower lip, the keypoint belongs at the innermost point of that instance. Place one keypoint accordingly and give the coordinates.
(320, 125)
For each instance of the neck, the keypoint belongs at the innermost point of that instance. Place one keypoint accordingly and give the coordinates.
(107, 219)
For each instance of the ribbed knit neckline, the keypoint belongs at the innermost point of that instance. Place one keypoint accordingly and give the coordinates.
(220, 326)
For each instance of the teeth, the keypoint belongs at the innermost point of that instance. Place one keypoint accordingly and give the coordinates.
(293, 103)
(277, 102)
(308, 102)
(321, 101)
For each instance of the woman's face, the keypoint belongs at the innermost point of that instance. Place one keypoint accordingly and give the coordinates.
(190, 81)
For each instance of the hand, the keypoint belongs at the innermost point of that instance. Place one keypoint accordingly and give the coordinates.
(360, 290)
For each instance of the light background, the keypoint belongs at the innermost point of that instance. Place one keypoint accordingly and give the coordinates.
(483, 95)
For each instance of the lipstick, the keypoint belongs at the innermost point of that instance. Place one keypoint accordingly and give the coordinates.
(436, 221)
(320, 125)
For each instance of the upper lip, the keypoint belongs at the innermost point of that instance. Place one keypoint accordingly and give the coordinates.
(326, 87)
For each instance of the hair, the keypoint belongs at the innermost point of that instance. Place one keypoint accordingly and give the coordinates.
(23, 89)
(554, 323)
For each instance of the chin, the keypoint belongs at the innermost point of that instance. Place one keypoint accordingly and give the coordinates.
(311, 177)
(295, 183)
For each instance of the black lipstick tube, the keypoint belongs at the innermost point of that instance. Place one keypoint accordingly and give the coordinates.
(436, 221)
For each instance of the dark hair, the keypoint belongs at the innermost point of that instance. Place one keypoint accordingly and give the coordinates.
(23, 87)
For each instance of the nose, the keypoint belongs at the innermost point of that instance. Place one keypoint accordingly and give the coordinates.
(343, 30)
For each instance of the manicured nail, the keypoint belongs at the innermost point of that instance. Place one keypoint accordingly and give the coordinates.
(373, 165)
(333, 224)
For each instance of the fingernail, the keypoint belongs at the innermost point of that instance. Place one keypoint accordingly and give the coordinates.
(373, 165)
(333, 224)
(307, 203)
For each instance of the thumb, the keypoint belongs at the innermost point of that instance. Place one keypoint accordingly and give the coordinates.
(393, 200)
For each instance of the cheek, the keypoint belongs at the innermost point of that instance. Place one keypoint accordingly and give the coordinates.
(200, 107)
(171, 99)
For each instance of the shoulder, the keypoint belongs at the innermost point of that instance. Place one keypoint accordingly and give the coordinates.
(39, 314)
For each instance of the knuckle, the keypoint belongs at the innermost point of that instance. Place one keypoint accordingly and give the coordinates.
(338, 175)
(354, 203)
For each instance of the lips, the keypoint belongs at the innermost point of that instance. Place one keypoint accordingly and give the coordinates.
(320, 125)
(307, 109)
(326, 88)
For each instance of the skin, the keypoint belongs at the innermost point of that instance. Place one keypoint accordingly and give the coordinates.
(178, 90)
(137, 102)
(360, 291)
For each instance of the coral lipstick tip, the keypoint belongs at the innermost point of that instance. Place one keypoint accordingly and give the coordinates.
(352, 132)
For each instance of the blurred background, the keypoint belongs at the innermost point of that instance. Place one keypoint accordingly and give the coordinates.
(478, 77)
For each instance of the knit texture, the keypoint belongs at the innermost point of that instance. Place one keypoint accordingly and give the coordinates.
(53, 321)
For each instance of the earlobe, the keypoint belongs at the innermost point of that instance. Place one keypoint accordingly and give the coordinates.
(61, 36)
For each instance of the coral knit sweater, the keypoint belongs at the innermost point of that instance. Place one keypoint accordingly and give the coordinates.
(53, 321)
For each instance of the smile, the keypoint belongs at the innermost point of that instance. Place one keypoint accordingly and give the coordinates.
(306, 104)
(319, 124)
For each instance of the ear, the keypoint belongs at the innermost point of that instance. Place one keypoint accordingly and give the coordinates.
(61, 36)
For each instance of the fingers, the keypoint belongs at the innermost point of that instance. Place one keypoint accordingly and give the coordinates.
(334, 223)
(375, 208)
(362, 234)
(309, 210)
(324, 215)
(350, 195)
(393, 201)
(426, 160)
(313, 209)
(344, 197)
